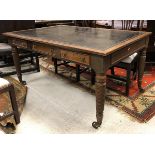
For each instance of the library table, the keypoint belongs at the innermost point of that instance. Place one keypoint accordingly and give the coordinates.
(96, 48)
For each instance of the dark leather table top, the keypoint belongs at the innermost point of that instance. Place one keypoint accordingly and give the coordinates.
(85, 37)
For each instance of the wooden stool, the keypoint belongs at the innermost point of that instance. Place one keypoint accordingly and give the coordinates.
(5, 86)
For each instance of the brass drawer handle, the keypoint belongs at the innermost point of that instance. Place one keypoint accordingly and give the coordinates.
(64, 55)
(83, 59)
(34, 46)
(75, 57)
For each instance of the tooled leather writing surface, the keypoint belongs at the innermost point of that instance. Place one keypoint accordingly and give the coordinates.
(100, 39)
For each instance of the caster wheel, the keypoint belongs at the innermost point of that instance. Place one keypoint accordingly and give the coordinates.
(96, 125)
(142, 90)
(24, 82)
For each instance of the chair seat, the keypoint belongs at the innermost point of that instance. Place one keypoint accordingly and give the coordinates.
(5, 48)
(130, 58)
(3, 83)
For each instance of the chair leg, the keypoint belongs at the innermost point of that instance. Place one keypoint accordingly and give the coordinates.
(112, 71)
(1, 73)
(32, 60)
(92, 77)
(134, 75)
(77, 72)
(128, 80)
(55, 65)
(135, 71)
(37, 63)
(14, 104)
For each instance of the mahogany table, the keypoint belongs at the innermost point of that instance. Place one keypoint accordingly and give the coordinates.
(94, 47)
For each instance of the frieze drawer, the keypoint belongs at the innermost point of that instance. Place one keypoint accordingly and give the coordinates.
(42, 49)
(128, 50)
(19, 43)
(76, 57)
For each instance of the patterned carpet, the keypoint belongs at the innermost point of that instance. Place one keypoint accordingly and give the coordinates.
(148, 81)
(9, 125)
(140, 106)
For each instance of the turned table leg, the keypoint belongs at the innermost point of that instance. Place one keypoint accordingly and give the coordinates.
(141, 69)
(100, 98)
(16, 60)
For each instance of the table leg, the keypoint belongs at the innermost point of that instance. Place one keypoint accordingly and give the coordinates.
(16, 60)
(100, 98)
(141, 69)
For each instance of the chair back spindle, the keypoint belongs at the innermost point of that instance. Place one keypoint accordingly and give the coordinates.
(127, 24)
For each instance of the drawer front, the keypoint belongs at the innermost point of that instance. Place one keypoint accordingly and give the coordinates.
(75, 57)
(127, 51)
(47, 50)
(19, 43)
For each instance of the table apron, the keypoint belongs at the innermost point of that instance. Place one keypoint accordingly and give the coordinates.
(97, 62)
(128, 50)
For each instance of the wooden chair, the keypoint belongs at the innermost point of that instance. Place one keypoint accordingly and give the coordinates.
(6, 59)
(6, 86)
(129, 63)
(25, 57)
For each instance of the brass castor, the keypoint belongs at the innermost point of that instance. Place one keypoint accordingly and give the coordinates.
(142, 90)
(24, 82)
(96, 125)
